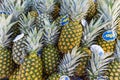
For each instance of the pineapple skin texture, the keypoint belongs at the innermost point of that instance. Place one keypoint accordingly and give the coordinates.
(108, 47)
(118, 29)
(70, 36)
(15, 75)
(17, 50)
(31, 69)
(114, 70)
(55, 76)
(6, 63)
(92, 10)
(50, 59)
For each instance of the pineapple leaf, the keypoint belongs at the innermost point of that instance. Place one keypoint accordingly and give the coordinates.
(15, 7)
(51, 32)
(5, 26)
(26, 22)
(110, 9)
(76, 9)
(34, 40)
(98, 62)
(92, 30)
(70, 61)
(44, 6)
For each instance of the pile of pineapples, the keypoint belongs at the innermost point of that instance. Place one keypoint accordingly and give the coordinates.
(59, 40)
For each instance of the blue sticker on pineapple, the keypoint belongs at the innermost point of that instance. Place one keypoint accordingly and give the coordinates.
(4, 12)
(64, 77)
(109, 35)
(64, 20)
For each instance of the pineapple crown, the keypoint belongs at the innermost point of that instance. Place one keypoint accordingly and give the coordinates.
(51, 32)
(5, 26)
(26, 23)
(110, 9)
(15, 7)
(98, 63)
(70, 61)
(76, 9)
(44, 6)
(34, 40)
(117, 54)
(92, 30)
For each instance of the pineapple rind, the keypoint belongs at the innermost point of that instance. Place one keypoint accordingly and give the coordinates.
(6, 63)
(18, 50)
(15, 74)
(70, 36)
(50, 59)
(31, 69)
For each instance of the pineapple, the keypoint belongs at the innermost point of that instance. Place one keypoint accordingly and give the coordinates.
(15, 74)
(110, 9)
(50, 54)
(15, 7)
(92, 10)
(114, 67)
(18, 47)
(6, 62)
(72, 32)
(68, 64)
(98, 64)
(44, 9)
(31, 68)
(90, 32)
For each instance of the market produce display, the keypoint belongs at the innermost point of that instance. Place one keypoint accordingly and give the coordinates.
(60, 40)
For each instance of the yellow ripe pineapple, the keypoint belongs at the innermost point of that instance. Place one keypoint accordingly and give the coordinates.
(68, 64)
(110, 10)
(50, 54)
(113, 72)
(6, 62)
(72, 30)
(90, 32)
(31, 68)
(98, 64)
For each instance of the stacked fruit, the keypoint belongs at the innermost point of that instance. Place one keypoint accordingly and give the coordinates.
(59, 39)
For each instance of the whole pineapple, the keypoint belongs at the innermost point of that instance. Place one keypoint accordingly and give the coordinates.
(110, 10)
(98, 64)
(50, 54)
(90, 32)
(72, 32)
(68, 64)
(18, 47)
(6, 62)
(115, 65)
(31, 68)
